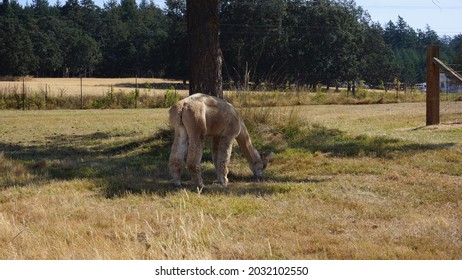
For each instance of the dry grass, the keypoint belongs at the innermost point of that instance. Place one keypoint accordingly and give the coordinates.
(347, 182)
(94, 93)
(122, 93)
(91, 86)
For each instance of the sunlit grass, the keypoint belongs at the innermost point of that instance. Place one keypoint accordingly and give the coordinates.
(347, 182)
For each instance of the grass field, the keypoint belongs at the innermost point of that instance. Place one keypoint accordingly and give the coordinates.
(347, 182)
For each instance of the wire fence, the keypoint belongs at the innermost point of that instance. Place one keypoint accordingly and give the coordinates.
(82, 93)
(451, 102)
(92, 93)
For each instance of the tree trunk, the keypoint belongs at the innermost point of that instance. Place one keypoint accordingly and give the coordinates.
(205, 58)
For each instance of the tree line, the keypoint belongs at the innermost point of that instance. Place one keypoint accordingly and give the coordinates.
(271, 42)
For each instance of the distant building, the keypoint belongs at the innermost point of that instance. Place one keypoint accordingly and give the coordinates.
(449, 86)
(422, 87)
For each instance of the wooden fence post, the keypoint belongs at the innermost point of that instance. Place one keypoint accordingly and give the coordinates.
(433, 86)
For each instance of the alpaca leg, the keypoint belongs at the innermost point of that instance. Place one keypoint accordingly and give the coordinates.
(223, 157)
(215, 145)
(194, 160)
(177, 155)
(194, 122)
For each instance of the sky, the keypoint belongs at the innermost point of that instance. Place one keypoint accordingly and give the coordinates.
(443, 16)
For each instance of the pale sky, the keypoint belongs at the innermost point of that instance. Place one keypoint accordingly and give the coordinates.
(443, 16)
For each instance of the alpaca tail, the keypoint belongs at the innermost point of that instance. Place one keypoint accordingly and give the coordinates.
(175, 115)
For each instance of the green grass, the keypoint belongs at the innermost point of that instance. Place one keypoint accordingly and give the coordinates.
(347, 182)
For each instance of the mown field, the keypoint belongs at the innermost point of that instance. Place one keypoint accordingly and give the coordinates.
(88, 93)
(90, 86)
(347, 182)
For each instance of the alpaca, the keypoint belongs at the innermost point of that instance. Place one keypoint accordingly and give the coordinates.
(199, 116)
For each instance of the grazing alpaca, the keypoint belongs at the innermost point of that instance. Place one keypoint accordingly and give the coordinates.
(199, 116)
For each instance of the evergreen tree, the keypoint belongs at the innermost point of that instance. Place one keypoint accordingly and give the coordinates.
(457, 48)
(377, 57)
(253, 39)
(175, 49)
(277, 42)
(114, 36)
(16, 49)
(47, 46)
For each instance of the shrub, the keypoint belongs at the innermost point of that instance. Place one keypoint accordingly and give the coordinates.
(171, 97)
(103, 102)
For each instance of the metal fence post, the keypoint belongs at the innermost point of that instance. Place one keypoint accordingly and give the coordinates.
(81, 92)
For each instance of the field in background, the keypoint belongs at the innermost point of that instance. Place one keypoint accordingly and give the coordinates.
(62, 93)
(347, 182)
(90, 86)
(93, 93)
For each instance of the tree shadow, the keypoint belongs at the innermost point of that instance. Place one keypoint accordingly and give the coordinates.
(340, 144)
(133, 164)
(130, 164)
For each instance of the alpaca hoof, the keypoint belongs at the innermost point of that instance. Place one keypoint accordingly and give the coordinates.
(223, 182)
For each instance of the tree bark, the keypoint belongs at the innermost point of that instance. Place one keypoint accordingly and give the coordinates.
(205, 58)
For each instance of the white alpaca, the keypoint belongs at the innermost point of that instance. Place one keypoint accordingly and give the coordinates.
(199, 116)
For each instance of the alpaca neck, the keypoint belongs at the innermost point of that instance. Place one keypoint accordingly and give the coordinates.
(245, 144)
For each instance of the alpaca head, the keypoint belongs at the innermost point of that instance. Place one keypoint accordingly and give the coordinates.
(258, 167)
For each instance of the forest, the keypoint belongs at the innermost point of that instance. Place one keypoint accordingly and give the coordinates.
(271, 42)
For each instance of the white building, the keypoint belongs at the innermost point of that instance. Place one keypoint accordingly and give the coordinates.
(449, 86)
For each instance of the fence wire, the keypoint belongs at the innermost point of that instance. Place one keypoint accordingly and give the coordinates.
(451, 103)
